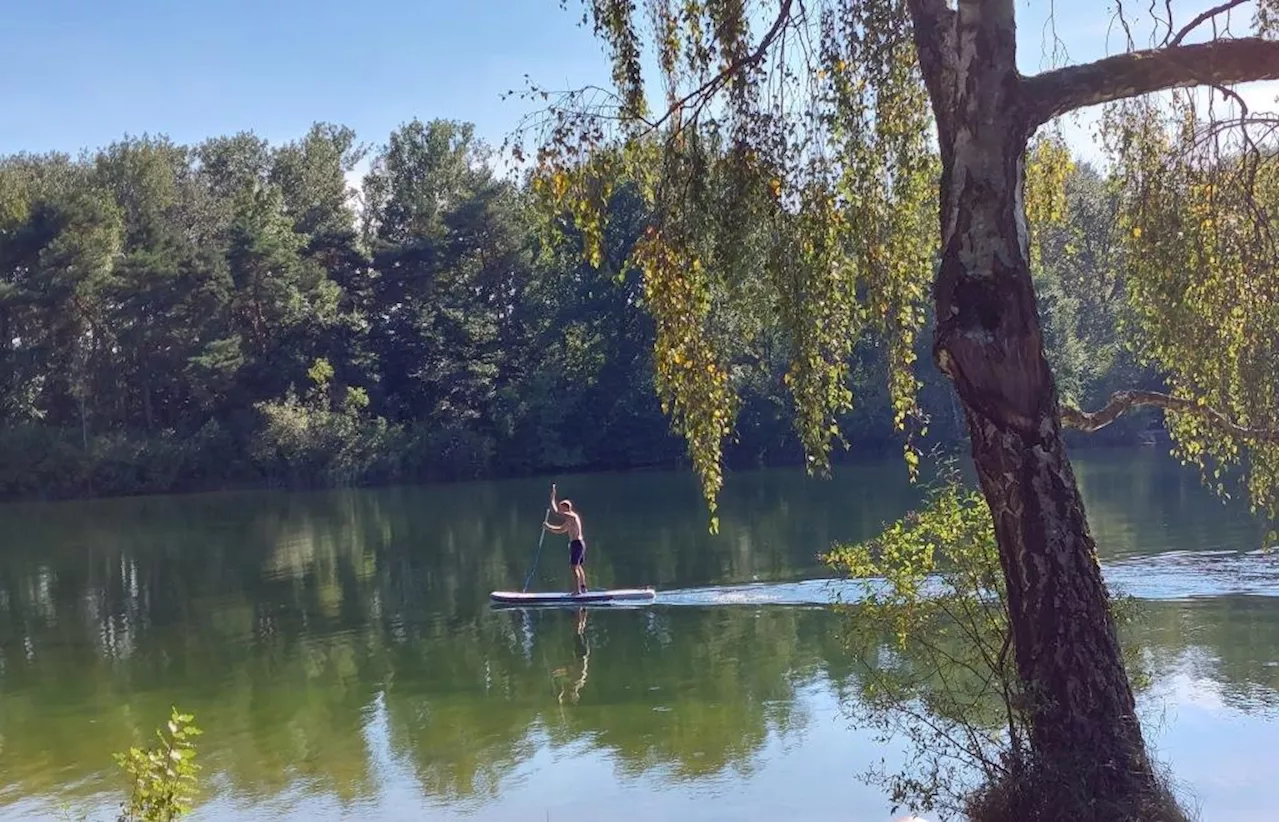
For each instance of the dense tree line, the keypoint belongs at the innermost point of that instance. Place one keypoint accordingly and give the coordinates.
(182, 317)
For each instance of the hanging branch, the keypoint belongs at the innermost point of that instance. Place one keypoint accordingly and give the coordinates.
(1123, 401)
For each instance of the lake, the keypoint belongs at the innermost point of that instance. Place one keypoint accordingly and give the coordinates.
(340, 652)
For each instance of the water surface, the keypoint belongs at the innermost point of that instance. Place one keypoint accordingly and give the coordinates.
(340, 652)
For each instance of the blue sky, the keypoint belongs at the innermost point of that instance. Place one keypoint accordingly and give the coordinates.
(82, 73)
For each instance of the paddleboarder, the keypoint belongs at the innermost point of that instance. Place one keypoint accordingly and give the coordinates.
(572, 526)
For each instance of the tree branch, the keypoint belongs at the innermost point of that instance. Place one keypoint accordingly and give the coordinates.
(747, 60)
(1122, 401)
(1205, 15)
(933, 26)
(1221, 62)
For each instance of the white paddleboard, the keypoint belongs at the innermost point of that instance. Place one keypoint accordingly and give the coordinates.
(565, 598)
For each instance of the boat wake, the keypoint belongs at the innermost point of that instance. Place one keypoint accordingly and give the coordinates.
(812, 592)
(1176, 575)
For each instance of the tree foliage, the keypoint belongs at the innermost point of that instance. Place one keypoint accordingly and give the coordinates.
(1196, 240)
(163, 309)
(821, 225)
(931, 626)
(790, 164)
(161, 305)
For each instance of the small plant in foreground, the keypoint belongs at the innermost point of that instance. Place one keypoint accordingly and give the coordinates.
(164, 775)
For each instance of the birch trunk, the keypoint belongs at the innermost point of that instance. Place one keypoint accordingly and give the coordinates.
(1085, 737)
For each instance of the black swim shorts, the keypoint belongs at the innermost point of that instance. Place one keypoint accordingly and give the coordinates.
(577, 552)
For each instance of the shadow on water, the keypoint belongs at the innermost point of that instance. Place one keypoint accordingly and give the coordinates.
(341, 653)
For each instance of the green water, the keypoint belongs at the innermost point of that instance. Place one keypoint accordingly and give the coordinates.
(341, 654)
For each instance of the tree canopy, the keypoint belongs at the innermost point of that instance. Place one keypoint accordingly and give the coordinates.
(790, 154)
(182, 317)
(176, 317)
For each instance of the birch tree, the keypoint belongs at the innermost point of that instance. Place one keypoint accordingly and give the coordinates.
(836, 164)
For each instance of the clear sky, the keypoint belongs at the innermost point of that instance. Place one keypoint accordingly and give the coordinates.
(82, 73)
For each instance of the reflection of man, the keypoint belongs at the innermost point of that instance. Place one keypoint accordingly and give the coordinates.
(582, 649)
(581, 642)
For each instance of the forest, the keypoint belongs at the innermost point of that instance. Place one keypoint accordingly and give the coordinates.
(235, 314)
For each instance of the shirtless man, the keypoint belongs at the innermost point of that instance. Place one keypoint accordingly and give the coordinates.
(572, 526)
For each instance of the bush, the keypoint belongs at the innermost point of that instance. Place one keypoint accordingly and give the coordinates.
(38, 461)
(300, 445)
(934, 635)
(306, 442)
(163, 777)
(450, 453)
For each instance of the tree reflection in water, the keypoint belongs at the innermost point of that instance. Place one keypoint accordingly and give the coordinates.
(281, 620)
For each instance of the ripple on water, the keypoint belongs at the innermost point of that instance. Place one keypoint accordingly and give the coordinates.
(1194, 574)
(1170, 576)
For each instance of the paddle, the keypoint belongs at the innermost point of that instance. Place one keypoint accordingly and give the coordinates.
(542, 533)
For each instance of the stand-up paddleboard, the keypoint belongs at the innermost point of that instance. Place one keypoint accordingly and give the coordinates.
(619, 595)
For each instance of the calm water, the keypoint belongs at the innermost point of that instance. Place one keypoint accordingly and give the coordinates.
(341, 654)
